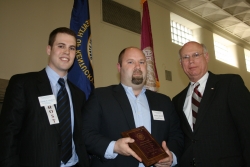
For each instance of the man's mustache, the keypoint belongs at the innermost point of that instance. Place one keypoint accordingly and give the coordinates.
(137, 72)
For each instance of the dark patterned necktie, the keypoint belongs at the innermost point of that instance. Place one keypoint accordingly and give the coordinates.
(196, 99)
(63, 110)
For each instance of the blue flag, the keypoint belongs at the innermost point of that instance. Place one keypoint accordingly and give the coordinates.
(81, 73)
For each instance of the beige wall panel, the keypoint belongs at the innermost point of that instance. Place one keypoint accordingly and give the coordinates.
(25, 28)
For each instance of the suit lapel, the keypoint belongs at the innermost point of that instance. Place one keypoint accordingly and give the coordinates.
(186, 127)
(44, 84)
(120, 95)
(76, 106)
(44, 88)
(206, 99)
(152, 103)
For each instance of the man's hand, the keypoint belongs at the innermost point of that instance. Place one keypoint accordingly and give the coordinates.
(122, 147)
(166, 161)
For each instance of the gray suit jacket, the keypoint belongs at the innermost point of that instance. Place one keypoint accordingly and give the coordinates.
(26, 136)
(108, 112)
(221, 137)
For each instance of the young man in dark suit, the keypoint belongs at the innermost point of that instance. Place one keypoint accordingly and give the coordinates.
(31, 131)
(114, 109)
(214, 116)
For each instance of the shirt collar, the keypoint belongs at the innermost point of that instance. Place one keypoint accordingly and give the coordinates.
(202, 81)
(129, 90)
(53, 76)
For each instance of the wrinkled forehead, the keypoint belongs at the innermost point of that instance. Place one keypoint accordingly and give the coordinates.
(190, 48)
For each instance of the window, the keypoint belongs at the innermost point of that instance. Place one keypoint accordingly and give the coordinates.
(247, 57)
(221, 51)
(225, 51)
(180, 34)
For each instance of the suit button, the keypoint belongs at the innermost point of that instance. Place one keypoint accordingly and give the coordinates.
(192, 163)
(193, 141)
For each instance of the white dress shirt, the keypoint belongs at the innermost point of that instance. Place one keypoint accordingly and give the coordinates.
(187, 108)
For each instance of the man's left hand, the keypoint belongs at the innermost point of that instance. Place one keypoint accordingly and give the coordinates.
(166, 162)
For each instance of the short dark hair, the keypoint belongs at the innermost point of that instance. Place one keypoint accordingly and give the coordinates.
(121, 56)
(65, 30)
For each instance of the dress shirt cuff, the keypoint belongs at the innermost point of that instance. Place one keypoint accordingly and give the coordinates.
(109, 154)
(174, 159)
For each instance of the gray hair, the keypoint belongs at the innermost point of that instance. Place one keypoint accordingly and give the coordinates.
(204, 48)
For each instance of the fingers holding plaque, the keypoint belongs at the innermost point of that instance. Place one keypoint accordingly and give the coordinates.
(145, 146)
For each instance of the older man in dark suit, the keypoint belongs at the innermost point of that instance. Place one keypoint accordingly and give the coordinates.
(214, 111)
(114, 109)
(40, 108)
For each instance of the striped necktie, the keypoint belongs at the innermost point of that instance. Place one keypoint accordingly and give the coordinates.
(196, 99)
(63, 110)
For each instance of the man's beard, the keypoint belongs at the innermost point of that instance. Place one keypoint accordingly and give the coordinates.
(137, 80)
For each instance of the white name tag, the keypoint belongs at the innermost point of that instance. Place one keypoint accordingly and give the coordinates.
(47, 100)
(52, 115)
(48, 103)
(158, 115)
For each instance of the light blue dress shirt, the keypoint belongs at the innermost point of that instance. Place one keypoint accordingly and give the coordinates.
(53, 78)
(142, 117)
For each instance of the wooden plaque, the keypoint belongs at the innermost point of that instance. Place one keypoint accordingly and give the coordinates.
(145, 146)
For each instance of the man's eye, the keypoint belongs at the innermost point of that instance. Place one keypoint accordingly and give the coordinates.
(142, 62)
(196, 54)
(60, 46)
(73, 48)
(130, 62)
(185, 57)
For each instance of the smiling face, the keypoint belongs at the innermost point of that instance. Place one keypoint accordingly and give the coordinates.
(62, 53)
(133, 68)
(194, 68)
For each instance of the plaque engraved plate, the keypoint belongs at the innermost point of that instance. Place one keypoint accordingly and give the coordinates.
(145, 146)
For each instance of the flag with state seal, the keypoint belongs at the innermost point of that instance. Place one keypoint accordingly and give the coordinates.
(81, 73)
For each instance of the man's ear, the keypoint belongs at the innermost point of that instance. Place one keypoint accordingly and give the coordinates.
(207, 57)
(118, 67)
(48, 49)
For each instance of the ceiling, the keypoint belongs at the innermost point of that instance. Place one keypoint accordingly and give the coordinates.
(232, 16)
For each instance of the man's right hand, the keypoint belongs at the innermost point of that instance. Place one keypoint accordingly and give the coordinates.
(122, 147)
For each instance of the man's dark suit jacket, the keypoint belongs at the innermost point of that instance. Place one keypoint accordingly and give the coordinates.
(221, 137)
(108, 112)
(26, 136)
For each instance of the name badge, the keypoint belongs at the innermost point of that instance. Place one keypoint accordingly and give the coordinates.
(52, 115)
(47, 100)
(158, 115)
(48, 103)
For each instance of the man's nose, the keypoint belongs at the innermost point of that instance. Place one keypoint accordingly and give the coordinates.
(67, 50)
(191, 58)
(137, 65)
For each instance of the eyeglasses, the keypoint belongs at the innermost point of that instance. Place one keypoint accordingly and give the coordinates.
(194, 56)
